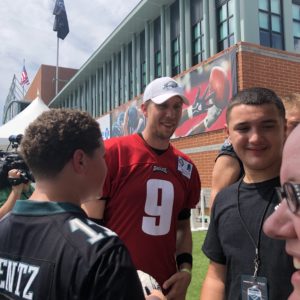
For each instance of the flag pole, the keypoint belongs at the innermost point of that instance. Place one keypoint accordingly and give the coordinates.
(23, 92)
(56, 75)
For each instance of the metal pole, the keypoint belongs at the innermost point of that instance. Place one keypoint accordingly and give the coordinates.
(56, 75)
(23, 92)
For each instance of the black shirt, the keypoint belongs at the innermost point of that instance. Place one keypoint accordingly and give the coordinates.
(51, 250)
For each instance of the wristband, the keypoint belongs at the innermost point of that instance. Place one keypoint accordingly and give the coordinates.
(186, 270)
(184, 258)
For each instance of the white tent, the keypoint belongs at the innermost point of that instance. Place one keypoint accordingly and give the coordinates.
(18, 124)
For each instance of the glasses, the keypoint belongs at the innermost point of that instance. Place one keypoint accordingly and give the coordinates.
(290, 192)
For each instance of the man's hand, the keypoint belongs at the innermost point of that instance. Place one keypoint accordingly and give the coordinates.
(199, 105)
(15, 174)
(177, 285)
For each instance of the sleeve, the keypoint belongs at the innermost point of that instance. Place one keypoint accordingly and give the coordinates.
(114, 277)
(227, 149)
(212, 247)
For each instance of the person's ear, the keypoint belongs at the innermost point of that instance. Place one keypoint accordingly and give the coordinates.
(144, 109)
(78, 160)
(227, 131)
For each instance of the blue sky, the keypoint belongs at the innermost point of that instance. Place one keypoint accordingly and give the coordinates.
(26, 32)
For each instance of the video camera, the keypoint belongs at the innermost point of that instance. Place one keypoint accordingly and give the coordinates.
(13, 160)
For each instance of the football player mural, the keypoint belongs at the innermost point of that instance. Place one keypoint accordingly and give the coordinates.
(127, 119)
(208, 88)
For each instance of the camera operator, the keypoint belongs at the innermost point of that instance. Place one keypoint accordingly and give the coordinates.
(15, 177)
(10, 193)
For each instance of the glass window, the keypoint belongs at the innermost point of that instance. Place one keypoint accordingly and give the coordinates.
(223, 30)
(296, 25)
(276, 41)
(276, 24)
(263, 4)
(197, 31)
(157, 62)
(265, 38)
(223, 13)
(297, 44)
(275, 6)
(296, 29)
(263, 20)
(271, 24)
(231, 26)
(225, 24)
(231, 40)
(175, 57)
(296, 12)
(230, 8)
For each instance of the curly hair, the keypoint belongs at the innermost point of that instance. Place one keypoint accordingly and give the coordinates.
(256, 96)
(50, 141)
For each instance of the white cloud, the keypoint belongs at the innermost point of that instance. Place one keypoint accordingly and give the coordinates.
(26, 32)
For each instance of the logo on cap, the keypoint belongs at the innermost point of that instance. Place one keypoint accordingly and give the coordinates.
(170, 85)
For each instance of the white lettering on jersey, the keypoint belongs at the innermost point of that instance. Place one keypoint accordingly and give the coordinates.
(158, 207)
(11, 274)
(34, 271)
(94, 236)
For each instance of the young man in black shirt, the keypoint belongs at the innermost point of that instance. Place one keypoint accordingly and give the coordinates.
(49, 248)
(241, 256)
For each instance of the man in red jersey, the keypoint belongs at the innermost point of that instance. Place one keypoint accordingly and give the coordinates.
(149, 191)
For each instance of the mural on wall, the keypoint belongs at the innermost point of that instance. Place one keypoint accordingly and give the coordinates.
(104, 123)
(209, 89)
(127, 119)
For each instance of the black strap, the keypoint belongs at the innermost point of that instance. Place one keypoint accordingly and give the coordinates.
(255, 244)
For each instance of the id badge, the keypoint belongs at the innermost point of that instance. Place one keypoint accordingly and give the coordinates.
(254, 289)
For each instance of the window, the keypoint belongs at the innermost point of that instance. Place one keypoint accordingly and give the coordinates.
(130, 79)
(175, 37)
(270, 23)
(225, 25)
(296, 24)
(197, 31)
(119, 62)
(109, 91)
(157, 48)
(143, 61)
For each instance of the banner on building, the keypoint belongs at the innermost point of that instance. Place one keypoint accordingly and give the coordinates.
(209, 89)
(104, 123)
(127, 119)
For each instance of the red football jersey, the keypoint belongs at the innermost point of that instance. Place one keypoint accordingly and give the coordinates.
(145, 192)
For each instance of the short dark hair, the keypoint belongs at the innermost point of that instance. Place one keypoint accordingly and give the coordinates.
(256, 96)
(50, 141)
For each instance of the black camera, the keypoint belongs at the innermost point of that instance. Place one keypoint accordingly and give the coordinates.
(13, 160)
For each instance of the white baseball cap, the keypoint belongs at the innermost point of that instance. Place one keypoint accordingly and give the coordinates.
(162, 89)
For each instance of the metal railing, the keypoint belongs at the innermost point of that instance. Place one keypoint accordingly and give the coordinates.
(14, 101)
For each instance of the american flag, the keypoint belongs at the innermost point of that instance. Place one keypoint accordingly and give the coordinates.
(24, 77)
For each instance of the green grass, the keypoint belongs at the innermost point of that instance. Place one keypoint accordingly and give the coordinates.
(200, 264)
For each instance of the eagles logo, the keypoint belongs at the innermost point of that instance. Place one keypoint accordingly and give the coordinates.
(170, 85)
(160, 169)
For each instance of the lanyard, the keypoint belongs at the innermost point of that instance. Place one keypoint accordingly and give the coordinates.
(255, 244)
